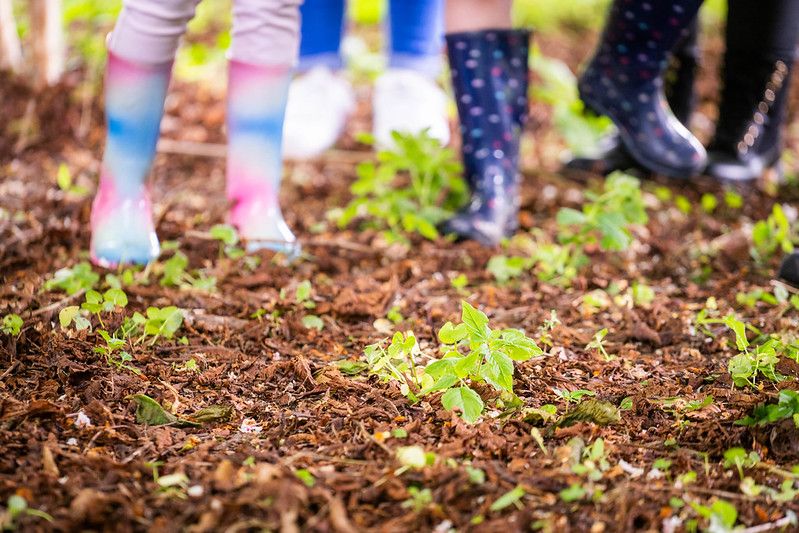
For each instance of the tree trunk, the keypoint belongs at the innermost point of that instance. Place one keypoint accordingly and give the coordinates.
(10, 49)
(49, 52)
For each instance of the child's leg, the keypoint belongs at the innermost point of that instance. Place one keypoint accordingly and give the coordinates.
(416, 35)
(407, 98)
(141, 49)
(320, 99)
(322, 30)
(490, 81)
(263, 54)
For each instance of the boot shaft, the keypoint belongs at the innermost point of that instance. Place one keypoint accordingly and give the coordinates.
(490, 80)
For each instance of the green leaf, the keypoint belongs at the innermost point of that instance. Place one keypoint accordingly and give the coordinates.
(511, 497)
(313, 322)
(570, 217)
(464, 399)
(150, 412)
(476, 323)
(11, 325)
(306, 477)
(498, 371)
(225, 233)
(212, 413)
(591, 410)
(573, 493)
(452, 334)
(117, 297)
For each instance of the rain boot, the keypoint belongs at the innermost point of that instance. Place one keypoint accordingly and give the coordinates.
(256, 108)
(625, 81)
(761, 44)
(679, 88)
(490, 79)
(121, 221)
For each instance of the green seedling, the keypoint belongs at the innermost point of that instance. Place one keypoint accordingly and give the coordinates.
(740, 459)
(11, 325)
(751, 361)
(66, 182)
(228, 238)
(598, 344)
(420, 499)
(80, 277)
(473, 353)
(772, 235)
(512, 497)
(721, 515)
(786, 408)
(572, 396)
(16, 508)
(410, 190)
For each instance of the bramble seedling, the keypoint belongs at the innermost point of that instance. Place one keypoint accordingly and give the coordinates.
(419, 499)
(66, 182)
(473, 353)
(410, 190)
(11, 325)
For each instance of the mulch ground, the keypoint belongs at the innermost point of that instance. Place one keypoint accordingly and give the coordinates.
(337, 427)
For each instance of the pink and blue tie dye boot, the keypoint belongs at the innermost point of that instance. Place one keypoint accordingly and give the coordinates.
(121, 220)
(256, 107)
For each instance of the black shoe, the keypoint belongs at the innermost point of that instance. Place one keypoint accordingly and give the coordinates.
(748, 139)
(789, 270)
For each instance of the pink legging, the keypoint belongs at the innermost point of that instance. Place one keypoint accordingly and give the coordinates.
(265, 32)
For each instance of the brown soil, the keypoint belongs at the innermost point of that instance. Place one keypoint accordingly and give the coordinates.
(284, 376)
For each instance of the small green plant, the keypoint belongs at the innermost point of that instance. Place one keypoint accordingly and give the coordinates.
(410, 190)
(740, 459)
(114, 354)
(80, 277)
(786, 408)
(512, 497)
(228, 238)
(721, 515)
(419, 499)
(572, 396)
(607, 217)
(66, 182)
(751, 361)
(473, 353)
(598, 344)
(11, 325)
(156, 323)
(16, 508)
(772, 235)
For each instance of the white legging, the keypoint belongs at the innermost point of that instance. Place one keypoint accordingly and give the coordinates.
(265, 32)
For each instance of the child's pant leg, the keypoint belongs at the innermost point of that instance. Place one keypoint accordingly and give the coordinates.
(416, 35)
(149, 31)
(322, 31)
(266, 32)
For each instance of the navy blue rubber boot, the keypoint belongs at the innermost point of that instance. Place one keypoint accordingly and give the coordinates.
(490, 80)
(625, 82)
(611, 155)
(789, 270)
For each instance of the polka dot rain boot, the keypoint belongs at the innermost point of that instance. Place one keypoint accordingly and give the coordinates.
(625, 81)
(490, 80)
(611, 155)
(257, 97)
(122, 221)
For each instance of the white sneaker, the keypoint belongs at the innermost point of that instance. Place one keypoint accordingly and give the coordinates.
(408, 102)
(318, 105)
